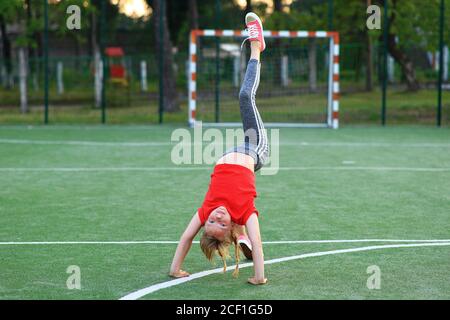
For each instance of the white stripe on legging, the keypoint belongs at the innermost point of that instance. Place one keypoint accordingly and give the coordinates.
(263, 136)
(252, 100)
(256, 112)
(255, 109)
(262, 141)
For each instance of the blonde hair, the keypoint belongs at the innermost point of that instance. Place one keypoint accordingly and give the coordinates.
(211, 245)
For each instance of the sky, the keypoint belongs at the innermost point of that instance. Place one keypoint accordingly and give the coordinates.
(133, 8)
(243, 3)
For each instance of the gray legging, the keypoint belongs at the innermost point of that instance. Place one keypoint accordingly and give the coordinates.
(256, 144)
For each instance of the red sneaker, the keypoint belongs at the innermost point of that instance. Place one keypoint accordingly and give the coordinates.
(246, 246)
(255, 30)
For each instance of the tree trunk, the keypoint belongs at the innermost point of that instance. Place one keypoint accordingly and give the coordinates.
(249, 7)
(6, 46)
(369, 64)
(98, 78)
(312, 64)
(193, 11)
(23, 64)
(170, 93)
(277, 52)
(77, 53)
(369, 55)
(32, 52)
(277, 5)
(402, 59)
(405, 63)
(28, 23)
(94, 40)
(97, 63)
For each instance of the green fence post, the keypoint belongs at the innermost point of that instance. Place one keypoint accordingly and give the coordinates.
(217, 25)
(161, 60)
(46, 71)
(441, 63)
(102, 48)
(385, 64)
(330, 15)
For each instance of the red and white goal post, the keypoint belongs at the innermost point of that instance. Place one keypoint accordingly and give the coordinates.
(332, 118)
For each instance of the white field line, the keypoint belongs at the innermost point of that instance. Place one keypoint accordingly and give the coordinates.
(367, 144)
(162, 143)
(415, 169)
(87, 169)
(13, 243)
(76, 128)
(193, 168)
(156, 287)
(86, 143)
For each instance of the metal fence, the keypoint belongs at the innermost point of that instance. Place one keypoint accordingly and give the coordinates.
(69, 92)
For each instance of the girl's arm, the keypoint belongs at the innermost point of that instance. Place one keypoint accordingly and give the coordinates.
(183, 247)
(257, 251)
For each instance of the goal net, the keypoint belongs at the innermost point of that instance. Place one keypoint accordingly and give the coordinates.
(299, 85)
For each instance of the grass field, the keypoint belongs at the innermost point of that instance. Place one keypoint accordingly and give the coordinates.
(117, 183)
(355, 108)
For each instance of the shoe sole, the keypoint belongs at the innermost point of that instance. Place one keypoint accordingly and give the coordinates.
(254, 16)
(246, 250)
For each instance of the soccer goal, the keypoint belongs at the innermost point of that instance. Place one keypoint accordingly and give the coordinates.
(299, 84)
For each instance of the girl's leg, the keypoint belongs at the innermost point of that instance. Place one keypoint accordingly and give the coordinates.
(256, 143)
(240, 230)
(243, 241)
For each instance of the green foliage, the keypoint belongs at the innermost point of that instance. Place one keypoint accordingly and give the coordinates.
(58, 17)
(417, 22)
(9, 9)
(13, 11)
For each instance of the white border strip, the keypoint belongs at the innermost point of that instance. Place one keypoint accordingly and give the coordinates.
(143, 292)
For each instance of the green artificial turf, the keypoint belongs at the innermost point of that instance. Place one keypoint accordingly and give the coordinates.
(118, 183)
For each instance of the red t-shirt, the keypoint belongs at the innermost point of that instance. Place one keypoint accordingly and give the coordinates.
(231, 186)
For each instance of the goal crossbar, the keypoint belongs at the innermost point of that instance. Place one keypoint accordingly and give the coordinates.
(333, 74)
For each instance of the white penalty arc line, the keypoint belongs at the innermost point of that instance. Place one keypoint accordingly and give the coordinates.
(188, 143)
(156, 287)
(17, 243)
(195, 168)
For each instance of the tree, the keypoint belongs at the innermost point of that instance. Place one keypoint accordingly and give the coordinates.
(248, 6)
(34, 35)
(277, 44)
(23, 41)
(9, 11)
(413, 26)
(193, 14)
(58, 20)
(399, 55)
(170, 92)
(277, 6)
(369, 53)
(6, 52)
